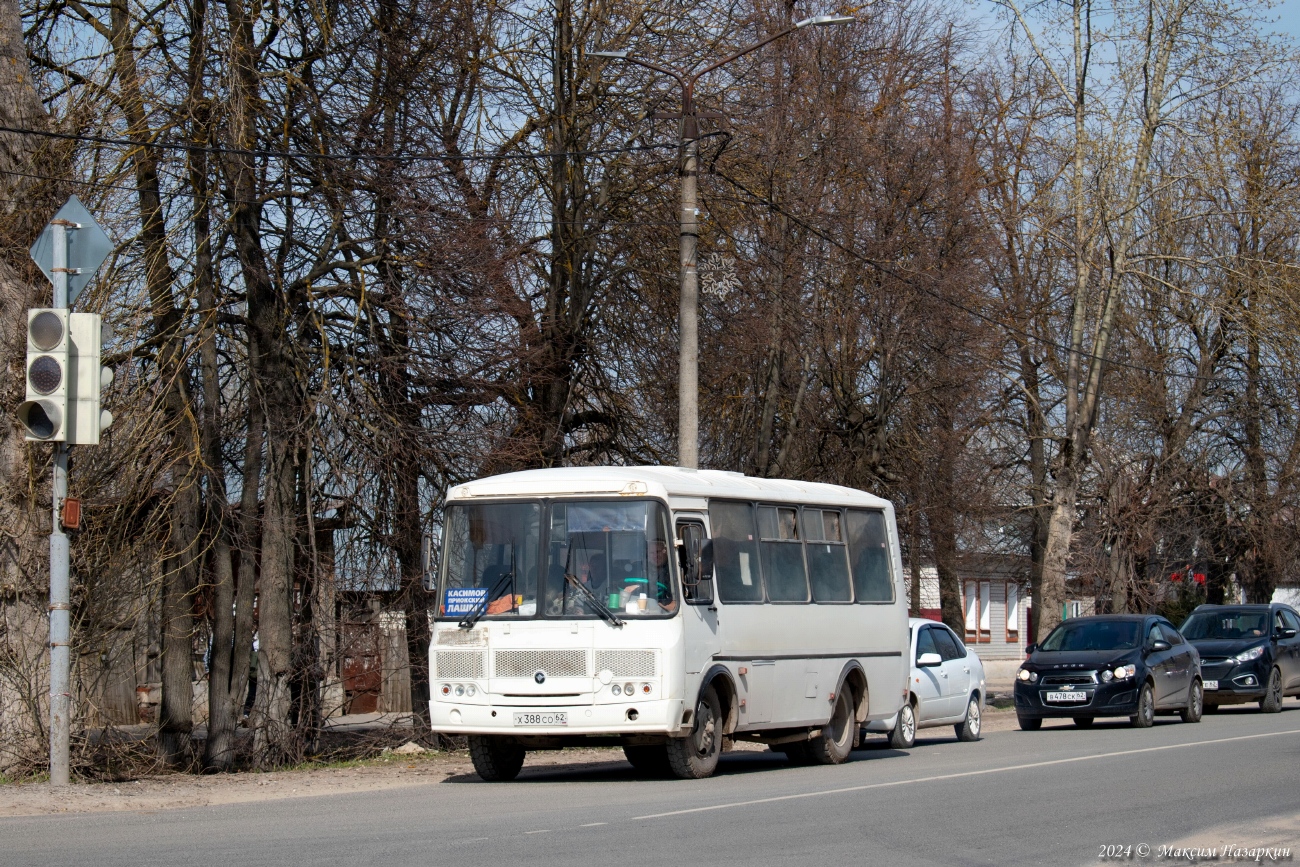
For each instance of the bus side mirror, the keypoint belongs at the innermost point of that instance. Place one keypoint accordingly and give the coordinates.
(429, 559)
(697, 564)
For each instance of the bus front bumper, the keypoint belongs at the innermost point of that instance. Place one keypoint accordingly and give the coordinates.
(641, 717)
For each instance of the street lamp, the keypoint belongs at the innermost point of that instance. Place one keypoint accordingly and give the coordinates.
(688, 380)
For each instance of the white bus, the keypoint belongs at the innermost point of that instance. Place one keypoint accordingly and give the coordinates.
(562, 620)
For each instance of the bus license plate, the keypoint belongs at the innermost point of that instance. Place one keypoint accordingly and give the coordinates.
(1211, 684)
(550, 718)
(1067, 696)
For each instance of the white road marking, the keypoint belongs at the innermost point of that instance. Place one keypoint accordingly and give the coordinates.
(592, 824)
(959, 775)
(543, 831)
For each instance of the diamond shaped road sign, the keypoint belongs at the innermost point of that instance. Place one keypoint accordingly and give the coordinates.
(88, 247)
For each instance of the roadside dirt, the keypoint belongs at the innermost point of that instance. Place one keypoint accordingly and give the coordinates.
(389, 771)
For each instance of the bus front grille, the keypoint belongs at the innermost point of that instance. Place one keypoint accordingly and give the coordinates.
(459, 663)
(524, 663)
(626, 663)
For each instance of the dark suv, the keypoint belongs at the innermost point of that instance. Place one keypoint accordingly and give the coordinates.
(1132, 665)
(1248, 653)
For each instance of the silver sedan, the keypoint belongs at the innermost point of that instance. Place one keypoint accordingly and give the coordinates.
(946, 687)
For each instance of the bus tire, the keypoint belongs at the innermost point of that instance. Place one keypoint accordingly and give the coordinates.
(651, 761)
(496, 759)
(835, 743)
(695, 756)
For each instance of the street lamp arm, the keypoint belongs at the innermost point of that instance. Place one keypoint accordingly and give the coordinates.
(742, 52)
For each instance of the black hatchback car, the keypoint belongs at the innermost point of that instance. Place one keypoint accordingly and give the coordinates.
(1133, 665)
(1248, 653)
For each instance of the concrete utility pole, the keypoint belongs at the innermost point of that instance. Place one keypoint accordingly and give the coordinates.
(688, 312)
(60, 590)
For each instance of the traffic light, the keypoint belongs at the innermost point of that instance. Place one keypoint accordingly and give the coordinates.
(44, 413)
(86, 418)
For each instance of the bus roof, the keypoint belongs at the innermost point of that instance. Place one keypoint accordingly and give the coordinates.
(662, 482)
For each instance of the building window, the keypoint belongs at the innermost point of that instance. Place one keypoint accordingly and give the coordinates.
(1013, 613)
(978, 617)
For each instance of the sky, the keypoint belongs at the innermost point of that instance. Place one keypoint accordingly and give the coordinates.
(1289, 17)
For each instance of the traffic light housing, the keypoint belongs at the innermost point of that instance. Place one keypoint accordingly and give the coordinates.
(44, 414)
(88, 379)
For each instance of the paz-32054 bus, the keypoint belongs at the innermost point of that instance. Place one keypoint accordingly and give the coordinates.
(665, 610)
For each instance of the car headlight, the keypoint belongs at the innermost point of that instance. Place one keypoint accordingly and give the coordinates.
(1248, 655)
(1124, 672)
(1107, 676)
(1028, 676)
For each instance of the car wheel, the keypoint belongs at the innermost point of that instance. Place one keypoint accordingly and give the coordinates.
(1083, 722)
(1195, 703)
(1029, 723)
(496, 759)
(1146, 710)
(903, 737)
(1272, 700)
(651, 761)
(969, 728)
(695, 756)
(836, 741)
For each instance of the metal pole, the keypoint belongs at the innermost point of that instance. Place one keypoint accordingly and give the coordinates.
(688, 363)
(60, 594)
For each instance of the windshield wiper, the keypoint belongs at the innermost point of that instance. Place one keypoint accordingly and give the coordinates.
(508, 578)
(591, 597)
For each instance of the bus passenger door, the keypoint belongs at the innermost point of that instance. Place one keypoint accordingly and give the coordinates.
(701, 614)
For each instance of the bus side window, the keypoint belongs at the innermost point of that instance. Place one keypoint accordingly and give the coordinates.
(869, 553)
(735, 551)
(696, 557)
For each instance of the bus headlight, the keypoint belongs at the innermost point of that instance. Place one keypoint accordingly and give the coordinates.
(470, 690)
(460, 690)
(616, 689)
(627, 689)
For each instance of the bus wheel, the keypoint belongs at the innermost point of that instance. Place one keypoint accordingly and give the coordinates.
(695, 756)
(496, 759)
(652, 761)
(836, 741)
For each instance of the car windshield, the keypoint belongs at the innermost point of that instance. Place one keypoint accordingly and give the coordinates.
(611, 555)
(1226, 624)
(1093, 635)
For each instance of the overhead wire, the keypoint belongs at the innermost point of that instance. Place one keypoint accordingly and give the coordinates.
(447, 156)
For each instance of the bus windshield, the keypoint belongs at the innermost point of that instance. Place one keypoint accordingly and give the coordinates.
(600, 557)
(491, 560)
(612, 554)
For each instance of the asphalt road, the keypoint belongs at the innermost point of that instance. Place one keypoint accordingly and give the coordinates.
(1049, 797)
